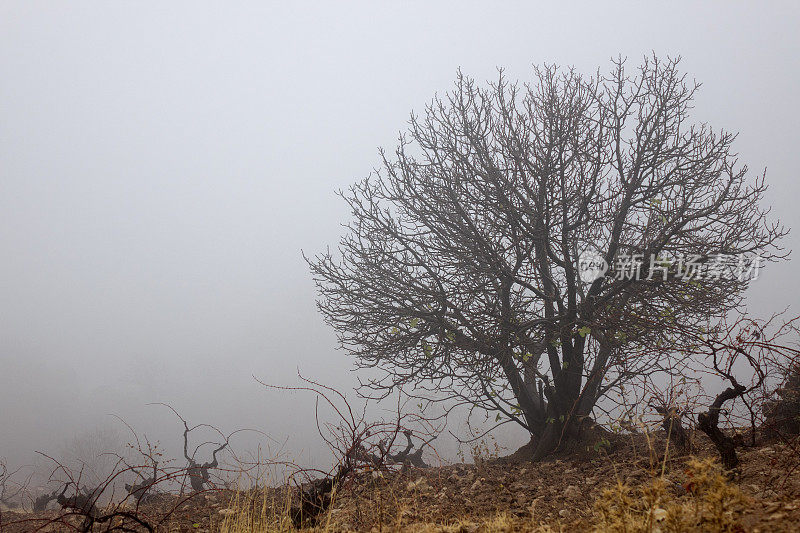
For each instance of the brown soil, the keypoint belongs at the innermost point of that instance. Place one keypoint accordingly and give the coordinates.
(559, 492)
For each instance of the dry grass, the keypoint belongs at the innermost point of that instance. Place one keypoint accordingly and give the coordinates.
(706, 502)
(256, 511)
(711, 503)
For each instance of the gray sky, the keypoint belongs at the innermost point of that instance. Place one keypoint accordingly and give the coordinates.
(162, 166)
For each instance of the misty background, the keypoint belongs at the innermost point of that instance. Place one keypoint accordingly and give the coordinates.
(163, 165)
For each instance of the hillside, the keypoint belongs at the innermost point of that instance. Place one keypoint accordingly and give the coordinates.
(577, 493)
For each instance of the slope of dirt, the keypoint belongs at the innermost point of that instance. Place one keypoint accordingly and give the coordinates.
(560, 493)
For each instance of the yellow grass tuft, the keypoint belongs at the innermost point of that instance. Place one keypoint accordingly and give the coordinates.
(710, 503)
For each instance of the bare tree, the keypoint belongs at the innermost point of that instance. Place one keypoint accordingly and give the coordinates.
(357, 445)
(85, 504)
(673, 425)
(463, 270)
(144, 491)
(407, 456)
(147, 505)
(750, 356)
(41, 502)
(200, 473)
(140, 491)
(83, 500)
(11, 491)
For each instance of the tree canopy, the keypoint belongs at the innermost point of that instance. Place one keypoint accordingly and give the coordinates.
(460, 276)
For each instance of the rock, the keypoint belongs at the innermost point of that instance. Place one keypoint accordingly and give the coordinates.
(475, 486)
(420, 484)
(226, 512)
(772, 506)
(572, 492)
(563, 513)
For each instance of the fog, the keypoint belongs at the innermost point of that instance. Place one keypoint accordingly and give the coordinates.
(162, 167)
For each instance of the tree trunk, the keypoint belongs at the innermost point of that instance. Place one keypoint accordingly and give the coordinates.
(724, 443)
(708, 423)
(548, 443)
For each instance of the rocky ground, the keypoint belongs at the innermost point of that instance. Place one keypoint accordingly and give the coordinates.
(560, 494)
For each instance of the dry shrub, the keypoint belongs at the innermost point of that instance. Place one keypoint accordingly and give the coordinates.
(710, 503)
(783, 414)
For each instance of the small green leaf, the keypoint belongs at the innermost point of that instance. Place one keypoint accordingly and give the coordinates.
(427, 349)
(584, 330)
